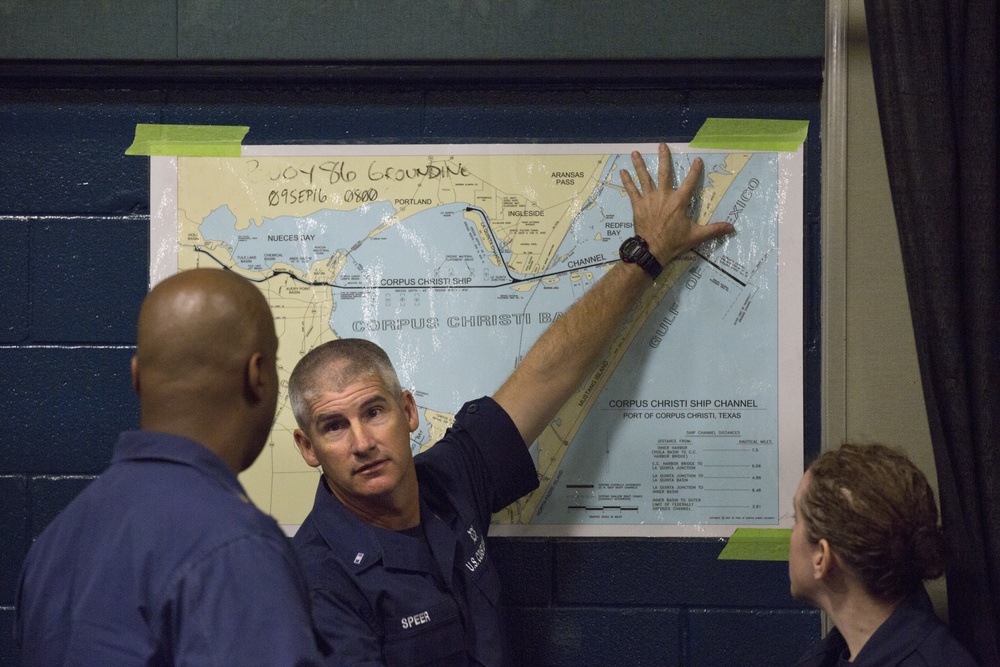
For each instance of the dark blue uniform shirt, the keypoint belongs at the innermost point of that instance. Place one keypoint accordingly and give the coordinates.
(429, 596)
(911, 637)
(162, 560)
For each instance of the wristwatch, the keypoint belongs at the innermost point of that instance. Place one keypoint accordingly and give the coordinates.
(635, 250)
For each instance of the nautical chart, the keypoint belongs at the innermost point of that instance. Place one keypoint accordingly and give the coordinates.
(456, 258)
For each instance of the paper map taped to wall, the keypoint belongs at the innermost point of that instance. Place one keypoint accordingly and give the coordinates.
(456, 258)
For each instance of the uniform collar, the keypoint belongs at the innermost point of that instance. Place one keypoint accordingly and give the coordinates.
(155, 446)
(902, 633)
(360, 545)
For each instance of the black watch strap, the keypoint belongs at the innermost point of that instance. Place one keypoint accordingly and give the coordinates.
(635, 250)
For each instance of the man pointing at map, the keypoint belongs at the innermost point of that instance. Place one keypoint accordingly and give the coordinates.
(395, 545)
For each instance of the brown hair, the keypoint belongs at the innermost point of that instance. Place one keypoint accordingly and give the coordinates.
(334, 365)
(877, 511)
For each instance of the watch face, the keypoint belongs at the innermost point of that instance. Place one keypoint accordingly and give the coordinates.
(630, 249)
(635, 251)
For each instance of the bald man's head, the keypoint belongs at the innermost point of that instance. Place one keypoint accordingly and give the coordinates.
(205, 360)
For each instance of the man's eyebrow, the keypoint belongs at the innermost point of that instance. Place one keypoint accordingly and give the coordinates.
(377, 399)
(324, 417)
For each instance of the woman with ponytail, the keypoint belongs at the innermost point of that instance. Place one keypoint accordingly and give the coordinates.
(865, 538)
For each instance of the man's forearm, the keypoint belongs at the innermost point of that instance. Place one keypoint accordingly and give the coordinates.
(568, 349)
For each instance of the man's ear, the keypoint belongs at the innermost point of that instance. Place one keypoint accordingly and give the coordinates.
(304, 444)
(255, 376)
(135, 374)
(410, 408)
(822, 559)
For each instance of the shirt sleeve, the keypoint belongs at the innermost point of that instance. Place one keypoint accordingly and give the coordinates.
(484, 455)
(245, 603)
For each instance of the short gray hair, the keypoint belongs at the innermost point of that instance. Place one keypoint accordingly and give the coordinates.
(334, 365)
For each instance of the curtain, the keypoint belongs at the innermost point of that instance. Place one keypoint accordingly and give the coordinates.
(935, 67)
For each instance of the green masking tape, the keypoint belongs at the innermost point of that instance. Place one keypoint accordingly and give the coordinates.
(752, 134)
(758, 544)
(188, 140)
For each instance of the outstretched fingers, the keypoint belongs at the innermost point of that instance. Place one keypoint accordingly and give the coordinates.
(630, 188)
(660, 213)
(686, 189)
(665, 169)
(645, 180)
(714, 230)
(642, 174)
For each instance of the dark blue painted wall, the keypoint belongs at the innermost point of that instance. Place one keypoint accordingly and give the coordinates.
(429, 30)
(74, 267)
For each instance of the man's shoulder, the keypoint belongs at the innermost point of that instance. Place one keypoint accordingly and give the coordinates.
(480, 426)
(160, 506)
(307, 538)
(192, 501)
(321, 560)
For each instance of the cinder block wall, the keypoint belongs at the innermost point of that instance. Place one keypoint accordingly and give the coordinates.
(74, 265)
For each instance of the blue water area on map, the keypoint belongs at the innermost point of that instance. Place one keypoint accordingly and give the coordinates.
(436, 247)
(298, 241)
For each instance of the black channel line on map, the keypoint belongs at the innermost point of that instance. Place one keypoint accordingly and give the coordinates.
(496, 245)
(321, 283)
